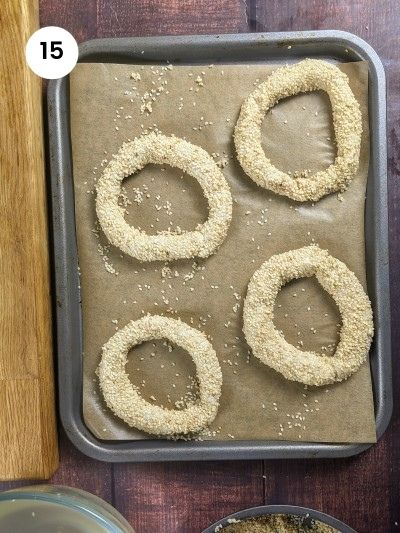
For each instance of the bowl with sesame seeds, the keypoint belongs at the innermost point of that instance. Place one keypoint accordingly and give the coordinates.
(279, 519)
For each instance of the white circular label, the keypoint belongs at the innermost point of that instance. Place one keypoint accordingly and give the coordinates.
(51, 52)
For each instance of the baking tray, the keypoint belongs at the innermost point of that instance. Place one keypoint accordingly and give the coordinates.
(269, 47)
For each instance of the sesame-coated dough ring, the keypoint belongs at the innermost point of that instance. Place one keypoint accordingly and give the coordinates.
(160, 149)
(270, 346)
(123, 398)
(305, 76)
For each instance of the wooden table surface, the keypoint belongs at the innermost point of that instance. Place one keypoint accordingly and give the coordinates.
(363, 491)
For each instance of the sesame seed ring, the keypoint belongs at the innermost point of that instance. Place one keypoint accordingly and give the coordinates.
(160, 149)
(270, 346)
(123, 398)
(305, 76)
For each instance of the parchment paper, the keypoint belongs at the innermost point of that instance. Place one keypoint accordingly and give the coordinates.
(256, 403)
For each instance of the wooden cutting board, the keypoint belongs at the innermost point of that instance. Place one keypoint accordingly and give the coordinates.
(28, 439)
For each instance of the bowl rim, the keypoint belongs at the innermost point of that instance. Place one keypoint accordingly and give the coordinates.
(262, 510)
(90, 505)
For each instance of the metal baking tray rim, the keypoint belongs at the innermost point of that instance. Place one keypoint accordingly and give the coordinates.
(67, 294)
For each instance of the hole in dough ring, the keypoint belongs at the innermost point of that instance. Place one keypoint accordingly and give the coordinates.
(160, 149)
(123, 398)
(308, 75)
(270, 346)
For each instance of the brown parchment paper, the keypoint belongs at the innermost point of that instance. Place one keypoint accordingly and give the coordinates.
(256, 402)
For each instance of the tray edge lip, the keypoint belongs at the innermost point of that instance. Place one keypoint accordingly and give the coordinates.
(82, 438)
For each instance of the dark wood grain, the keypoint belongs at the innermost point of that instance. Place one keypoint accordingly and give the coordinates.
(77, 16)
(121, 18)
(183, 498)
(355, 490)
